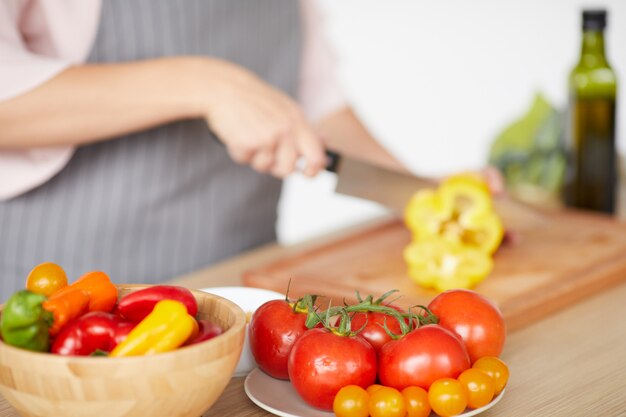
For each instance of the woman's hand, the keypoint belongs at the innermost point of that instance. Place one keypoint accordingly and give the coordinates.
(494, 180)
(260, 125)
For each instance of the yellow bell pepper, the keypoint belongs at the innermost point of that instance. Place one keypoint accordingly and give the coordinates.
(443, 265)
(459, 211)
(167, 327)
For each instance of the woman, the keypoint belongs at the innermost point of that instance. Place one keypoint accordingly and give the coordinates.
(147, 138)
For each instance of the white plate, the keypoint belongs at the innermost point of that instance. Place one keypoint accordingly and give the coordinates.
(279, 397)
(249, 299)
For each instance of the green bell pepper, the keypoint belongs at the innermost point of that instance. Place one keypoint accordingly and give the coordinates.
(24, 323)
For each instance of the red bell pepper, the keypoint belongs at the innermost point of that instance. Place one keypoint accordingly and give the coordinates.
(206, 330)
(137, 305)
(95, 331)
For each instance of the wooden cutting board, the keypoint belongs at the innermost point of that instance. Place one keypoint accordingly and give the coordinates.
(559, 258)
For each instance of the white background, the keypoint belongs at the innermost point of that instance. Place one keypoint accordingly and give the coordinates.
(436, 81)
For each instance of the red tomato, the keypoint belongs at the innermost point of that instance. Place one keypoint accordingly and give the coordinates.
(371, 327)
(321, 363)
(421, 357)
(274, 328)
(476, 319)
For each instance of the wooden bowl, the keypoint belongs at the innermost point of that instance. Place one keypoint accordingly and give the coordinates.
(184, 382)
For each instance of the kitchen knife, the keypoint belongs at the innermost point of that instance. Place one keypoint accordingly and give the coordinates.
(394, 189)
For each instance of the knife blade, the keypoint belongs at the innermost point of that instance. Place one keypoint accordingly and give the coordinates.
(394, 189)
(357, 178)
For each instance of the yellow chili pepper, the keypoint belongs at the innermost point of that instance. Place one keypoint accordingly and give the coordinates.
(167, 327)
(443, 265)
(459, 211)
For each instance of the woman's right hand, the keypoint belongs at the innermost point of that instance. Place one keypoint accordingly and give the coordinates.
(259, 125)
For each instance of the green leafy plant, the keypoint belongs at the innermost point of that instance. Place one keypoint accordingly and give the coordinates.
(530, 153)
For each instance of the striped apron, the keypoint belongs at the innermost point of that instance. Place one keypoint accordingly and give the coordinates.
(160, 203)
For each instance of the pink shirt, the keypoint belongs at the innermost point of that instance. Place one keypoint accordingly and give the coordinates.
(40, 38)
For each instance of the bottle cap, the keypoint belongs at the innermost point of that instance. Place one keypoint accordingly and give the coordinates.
(594, 19)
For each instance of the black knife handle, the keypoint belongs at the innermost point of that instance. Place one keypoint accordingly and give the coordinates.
(332, 161)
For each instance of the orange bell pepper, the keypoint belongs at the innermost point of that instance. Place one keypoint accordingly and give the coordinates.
(65, 305)
(102, 292)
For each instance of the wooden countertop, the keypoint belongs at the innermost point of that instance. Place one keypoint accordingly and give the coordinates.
(570, 364)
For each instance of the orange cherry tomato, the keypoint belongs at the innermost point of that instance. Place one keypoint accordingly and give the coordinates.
(386, 402)
(496, 369)
(480, 387)
(447, 397)
(416, 400)
(351, 401)
(46, 278)
(373, 388)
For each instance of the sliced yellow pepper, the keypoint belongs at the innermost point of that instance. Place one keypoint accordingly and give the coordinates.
(443, 265)
(425, 213)
(460, 211)
(167, 327)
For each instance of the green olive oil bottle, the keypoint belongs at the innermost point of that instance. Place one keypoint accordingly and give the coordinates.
(591, 180)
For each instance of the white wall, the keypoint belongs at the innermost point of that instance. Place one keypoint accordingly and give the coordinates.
(436, 82)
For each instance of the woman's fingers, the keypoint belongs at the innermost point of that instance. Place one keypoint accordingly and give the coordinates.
(311, 148)
(260, 125)
(271, 143)
(286, 157)
(241, 156)
(494, 179)
(283, 159)
(263, 160)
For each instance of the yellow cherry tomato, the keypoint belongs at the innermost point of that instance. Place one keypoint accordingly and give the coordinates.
(46, 279)
(372, 388)
(480, 387)
(351, 401)
(386, 402)
(447, 397)
(496, 369)
(416, 400)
